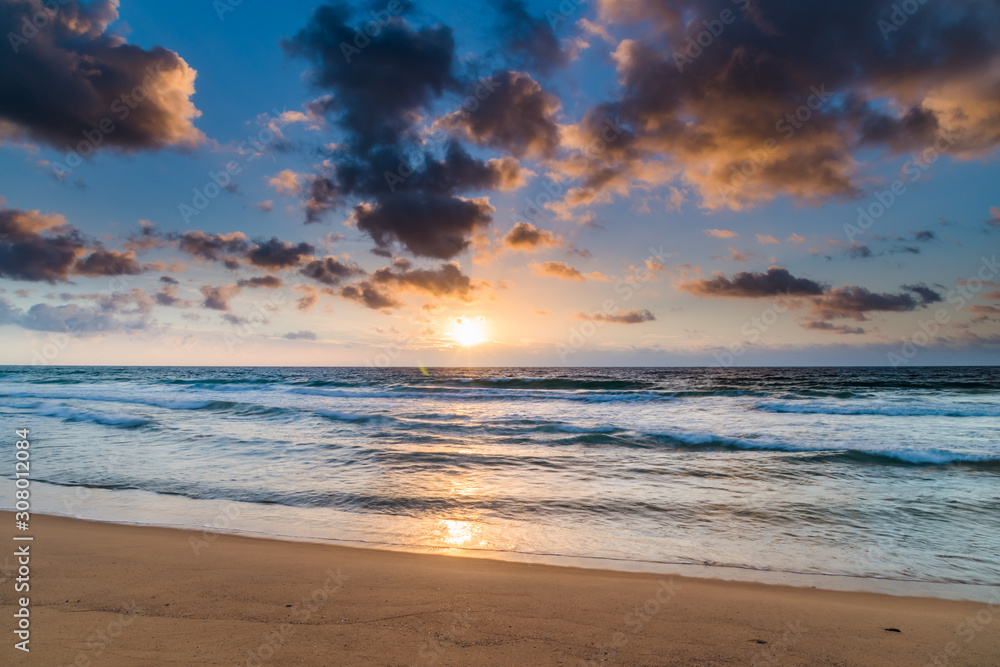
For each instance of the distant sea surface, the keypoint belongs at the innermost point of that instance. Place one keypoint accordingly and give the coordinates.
(878, 473)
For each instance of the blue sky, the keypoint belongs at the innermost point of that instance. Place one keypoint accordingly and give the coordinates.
(522, 237)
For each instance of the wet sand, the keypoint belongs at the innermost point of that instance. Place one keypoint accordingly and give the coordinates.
(107, 594)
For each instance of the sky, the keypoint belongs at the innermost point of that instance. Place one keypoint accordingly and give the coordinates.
(499, 183)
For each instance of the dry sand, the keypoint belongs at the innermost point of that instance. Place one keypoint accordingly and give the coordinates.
(104, 594)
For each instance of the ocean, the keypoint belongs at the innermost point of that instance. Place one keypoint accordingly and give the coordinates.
(889, 475)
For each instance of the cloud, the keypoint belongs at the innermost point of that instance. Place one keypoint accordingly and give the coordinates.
(766, 240)
(517, 116)
(147, 239)
(409, 216)
(858, 251)
(767, 109)
(634, 316)
(217, 298)
(749, 285)
(530, 41)
(565, 271)
(796, 238)
(995, 220)
(400, 70)
(525, 237)
(404, 189)
(720, 233)
(266, 206)
(286, 182)
(367, 295)
(330, 270)
(77, 321)
(833, 328)
(597, 30)
(309, 298)
(167, 296)
(856, 302)
(445, 281)
(107, 263)
(926, 294)
(267, 282)
(300, 335)
(735, 255)
(37, 247)
(275, 254)
(212, 247)
(111, 94)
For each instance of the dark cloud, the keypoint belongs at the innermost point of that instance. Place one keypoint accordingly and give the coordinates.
(716, 116)
(925, 235)
(859, 251)
(331, 271)
(275, 254)
(634, 316)
(369, 296)
(427, 225)
(399, 71)
(856, 302)
(833, 328)
(212, 247)
(531, 42)
(323, 197)
(445, 281)
(74, 84)
(517, 117)
(168, 280)
(108, 263)
(926, 294)
(848, 301)
(267, 282)
(776, 281)
(405, 189)
(168, 297)
(37, 247)
(300, 335)
(217, 298)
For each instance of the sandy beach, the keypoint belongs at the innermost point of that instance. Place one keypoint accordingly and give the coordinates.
(105, 594)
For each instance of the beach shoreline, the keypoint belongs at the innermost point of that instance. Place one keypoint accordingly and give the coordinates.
(105, 593)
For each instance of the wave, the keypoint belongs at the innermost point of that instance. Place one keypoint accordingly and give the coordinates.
(76, 415)
(882, 455)
(336, 415)
(694, 441)
(902, 410)
(550, 383)
(404, 392)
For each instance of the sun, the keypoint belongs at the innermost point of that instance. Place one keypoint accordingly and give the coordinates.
(468, 331)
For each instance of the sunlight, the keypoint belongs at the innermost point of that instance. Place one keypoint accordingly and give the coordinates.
(467, 331)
